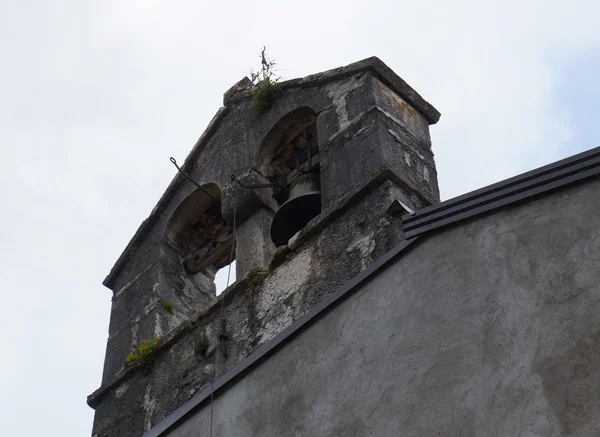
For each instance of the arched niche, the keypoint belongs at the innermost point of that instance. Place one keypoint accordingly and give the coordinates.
(290, 144)
(288, 156)
(198, 233)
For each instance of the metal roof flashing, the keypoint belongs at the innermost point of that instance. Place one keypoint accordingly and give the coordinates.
(518, 188)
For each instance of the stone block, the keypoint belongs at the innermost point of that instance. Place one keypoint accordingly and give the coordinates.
(415, 124)
(121, 413)
(255, 248)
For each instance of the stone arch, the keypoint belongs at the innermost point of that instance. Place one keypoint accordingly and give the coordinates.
(198, 233)
(288, 156)
(299, 123)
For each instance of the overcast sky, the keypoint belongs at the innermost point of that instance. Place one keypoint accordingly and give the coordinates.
(96, 96)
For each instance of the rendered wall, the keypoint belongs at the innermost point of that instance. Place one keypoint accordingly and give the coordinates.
(488, 328)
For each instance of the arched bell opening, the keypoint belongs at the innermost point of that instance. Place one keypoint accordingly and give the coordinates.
(290, 157)
(200, 236)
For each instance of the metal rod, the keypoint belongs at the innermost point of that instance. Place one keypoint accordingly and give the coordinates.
(191, 180)
(269, 185)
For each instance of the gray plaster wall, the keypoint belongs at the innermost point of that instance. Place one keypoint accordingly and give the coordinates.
(488, 328)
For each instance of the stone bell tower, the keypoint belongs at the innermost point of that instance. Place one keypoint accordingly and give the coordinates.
(306, 196)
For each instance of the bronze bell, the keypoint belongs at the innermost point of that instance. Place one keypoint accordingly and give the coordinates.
(303, 204)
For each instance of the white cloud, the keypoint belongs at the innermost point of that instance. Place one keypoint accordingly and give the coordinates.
(97, 96)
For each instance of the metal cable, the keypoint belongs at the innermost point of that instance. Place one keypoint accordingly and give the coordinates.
(222, 319)
(222, 315)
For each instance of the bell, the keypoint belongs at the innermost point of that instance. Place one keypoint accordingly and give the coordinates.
(303, 204)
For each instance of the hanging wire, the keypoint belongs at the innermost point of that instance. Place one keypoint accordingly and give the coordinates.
(222, 318)
(222, 334)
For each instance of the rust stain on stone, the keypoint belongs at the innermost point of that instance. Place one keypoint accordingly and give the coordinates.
(399, 104)
(405, 107)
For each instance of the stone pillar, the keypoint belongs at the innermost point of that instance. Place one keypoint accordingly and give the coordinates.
(380, 136)
(258, 249)
(254, 210)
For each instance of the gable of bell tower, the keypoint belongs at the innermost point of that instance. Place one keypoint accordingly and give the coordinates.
(305, 196)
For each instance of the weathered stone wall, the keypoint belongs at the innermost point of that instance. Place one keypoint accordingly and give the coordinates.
(353, 155)
(374, 150)
(487, 328)
(255, 310)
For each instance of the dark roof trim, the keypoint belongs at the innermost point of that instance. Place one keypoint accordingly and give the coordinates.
(328, 303)
(511, 190)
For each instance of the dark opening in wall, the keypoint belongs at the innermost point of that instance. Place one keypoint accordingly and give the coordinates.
(206, 241)
(200, 235)
(291, 158)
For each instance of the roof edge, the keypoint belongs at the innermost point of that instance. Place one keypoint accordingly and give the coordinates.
(379, 68)
(329, 303)
(524, 186)
(243, 89)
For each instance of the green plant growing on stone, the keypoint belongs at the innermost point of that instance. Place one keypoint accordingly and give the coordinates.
(168, 305)
(144, 352)
(267, 87)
